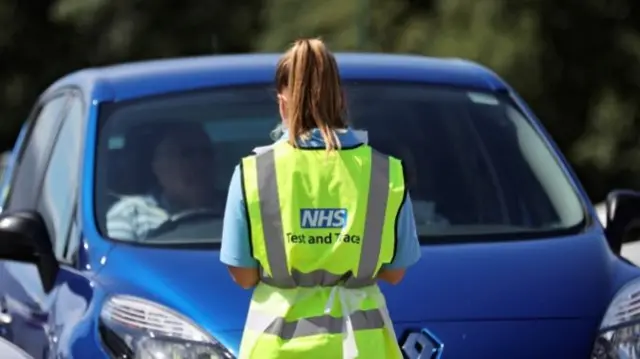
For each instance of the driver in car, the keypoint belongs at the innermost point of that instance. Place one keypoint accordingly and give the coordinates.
(181, 163)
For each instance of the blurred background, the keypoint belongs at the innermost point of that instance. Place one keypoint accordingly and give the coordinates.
(577, 62)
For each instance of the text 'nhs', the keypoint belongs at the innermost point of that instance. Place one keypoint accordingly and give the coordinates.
(323, 218)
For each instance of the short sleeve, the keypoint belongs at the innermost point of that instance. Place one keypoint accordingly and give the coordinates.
(235, 250)
(119, 224)
(408, 246)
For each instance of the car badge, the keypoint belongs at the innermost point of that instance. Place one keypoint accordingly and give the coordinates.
(422, 345)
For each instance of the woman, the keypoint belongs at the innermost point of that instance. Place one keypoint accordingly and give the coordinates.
(313, 222)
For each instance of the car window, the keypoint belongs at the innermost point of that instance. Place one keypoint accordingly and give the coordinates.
(12, 158)
(60, 183)
(475, 166)
(5, 179)
(33, 154)
(4, 163)
(71, 251)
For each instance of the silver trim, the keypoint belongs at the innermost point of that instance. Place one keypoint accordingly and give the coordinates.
(422, 345)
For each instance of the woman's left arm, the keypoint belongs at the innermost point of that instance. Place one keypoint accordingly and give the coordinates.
(235, 250)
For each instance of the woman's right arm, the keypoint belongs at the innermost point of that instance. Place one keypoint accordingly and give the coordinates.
(407, 248)
(235, 250)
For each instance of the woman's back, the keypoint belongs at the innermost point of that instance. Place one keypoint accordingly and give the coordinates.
(323, 212)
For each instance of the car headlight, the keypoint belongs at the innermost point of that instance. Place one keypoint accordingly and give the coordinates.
(619, 335)
(134, 328)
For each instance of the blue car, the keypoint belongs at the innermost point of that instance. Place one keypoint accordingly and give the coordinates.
(94, 263)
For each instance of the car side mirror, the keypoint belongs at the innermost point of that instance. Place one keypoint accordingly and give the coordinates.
(24, 238)
(622, 218)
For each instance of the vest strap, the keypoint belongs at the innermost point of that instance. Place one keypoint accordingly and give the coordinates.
(322, 324)
(351, 320)
(318, 278)
(273, 235)
(269, 199)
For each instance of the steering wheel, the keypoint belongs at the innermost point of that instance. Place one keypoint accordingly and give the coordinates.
(178, 219)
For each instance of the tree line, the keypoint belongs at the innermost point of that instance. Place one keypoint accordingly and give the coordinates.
(575, 61)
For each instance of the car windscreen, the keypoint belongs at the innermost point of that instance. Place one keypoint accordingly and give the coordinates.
(476, 168)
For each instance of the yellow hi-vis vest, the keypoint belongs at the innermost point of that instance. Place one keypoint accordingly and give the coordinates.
(321, 224)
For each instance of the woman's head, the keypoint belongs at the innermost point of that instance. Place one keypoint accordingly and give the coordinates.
(309, 91)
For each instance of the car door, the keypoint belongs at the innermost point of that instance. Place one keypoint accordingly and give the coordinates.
(45, 178)
(57, 203)
(21, 292)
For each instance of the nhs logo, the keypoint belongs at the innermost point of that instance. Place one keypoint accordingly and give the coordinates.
(323, 217)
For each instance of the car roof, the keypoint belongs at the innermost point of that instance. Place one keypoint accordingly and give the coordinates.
(156, 77)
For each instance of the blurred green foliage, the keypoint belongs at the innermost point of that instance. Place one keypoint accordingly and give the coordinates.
(575, 61)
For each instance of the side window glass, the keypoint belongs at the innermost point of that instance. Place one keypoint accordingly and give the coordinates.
(60, 183)
(10, 163)
(4, 163)
(73, 245)
(31, 154)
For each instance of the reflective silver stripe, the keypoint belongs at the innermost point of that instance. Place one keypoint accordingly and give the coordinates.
(321, 278)
(269, 199)
(274, 238)
(324, 324)
(376, 208)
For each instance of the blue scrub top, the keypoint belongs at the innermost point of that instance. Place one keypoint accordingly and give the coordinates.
(236, 249)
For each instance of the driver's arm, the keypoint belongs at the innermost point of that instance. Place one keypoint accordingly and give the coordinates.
(122, 218)
(235, 250)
